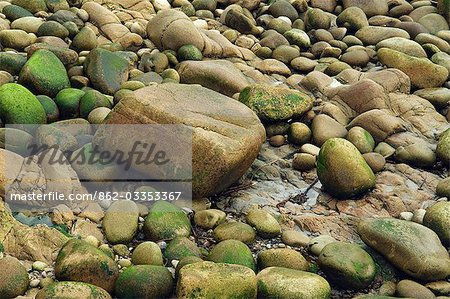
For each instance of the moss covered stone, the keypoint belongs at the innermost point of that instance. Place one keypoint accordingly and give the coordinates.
(347, 265)
(189, 52)
(443, 148)
(72, 290)
(209, 280)
(121, 221)
(144, 281)
(275, 103)
(93, 99)
(50, 107)
(80, 261)
(277, 282)
(68, 102)
(413, 248)
(14, 278)
(282, 257)
(106, 70)
(232, 252)
(14, 12)
(187, 261)
(166, 221)
(437, 218)
(44, 73)
(19, 106)
(342, 170)
(147, 253)
(12, 62)
(362, 139)
(265, 224)
(32, 6)
(181, 247)
(236, 231)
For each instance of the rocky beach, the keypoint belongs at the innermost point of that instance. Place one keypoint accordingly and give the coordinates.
(295, 149)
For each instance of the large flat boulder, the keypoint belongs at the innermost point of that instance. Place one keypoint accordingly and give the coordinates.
(226, 135)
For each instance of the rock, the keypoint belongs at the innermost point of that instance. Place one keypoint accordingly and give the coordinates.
(166, 221)
(27, 110)
(443, 188)
(181, 247)
(439, 287)
(277, 282)
(12, 62)
(422, 72)
(303, 64)
(85, 40)
(33, 6)
(304, 162)
(361, 139)
(27, 24)
(189, 52)
(213, 280)
(434, 22)
(403, 45)
(93, 99)
(439, 96)
(294, 238)
(235, 17)
(44, 73)
(410, 289)
(144, 281)
(79, 261)
(282, 257)
(14, 12)
(299, 133)
(347, 265)
(297, 37)
(272, 66)
(98, 115)
(14, 280)
(147, 253)
(283, 8)
(324, 127)
(53, 28)
(437, 218)
(352, 18)
(375, 160)
(356, 58)
(372, 35)
(275, 103)
(72, 290)
(443, 147)
(121, 222)
(342, 170)
(68, 102)
(317, 244)
(265, 224)
(208, 219)
(106, 70)
(236, 231)
(370, 8)
(232, 252)
(212, 171)
(417, 154)
(186, 261)
(411, 247)
(219, 75)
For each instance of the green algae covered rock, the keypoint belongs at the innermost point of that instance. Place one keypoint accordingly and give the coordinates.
(72, 290)
(44, 73)
(342, 170)
(144, 281)
(232, 252)
(14, 279)
(19, 106)
(211, 280)
(275, 103)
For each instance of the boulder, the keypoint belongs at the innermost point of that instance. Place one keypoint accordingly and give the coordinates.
(272, 103)
(14, 280)
(413, 248)
(342, 170)
(121, 222)
(214, 280)
(144, 281)
(437, 218)
(422, 72)
(44, 73)
(80, 261)
(106, 70)
(72, 290)
(210, 115)
(277, 282)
